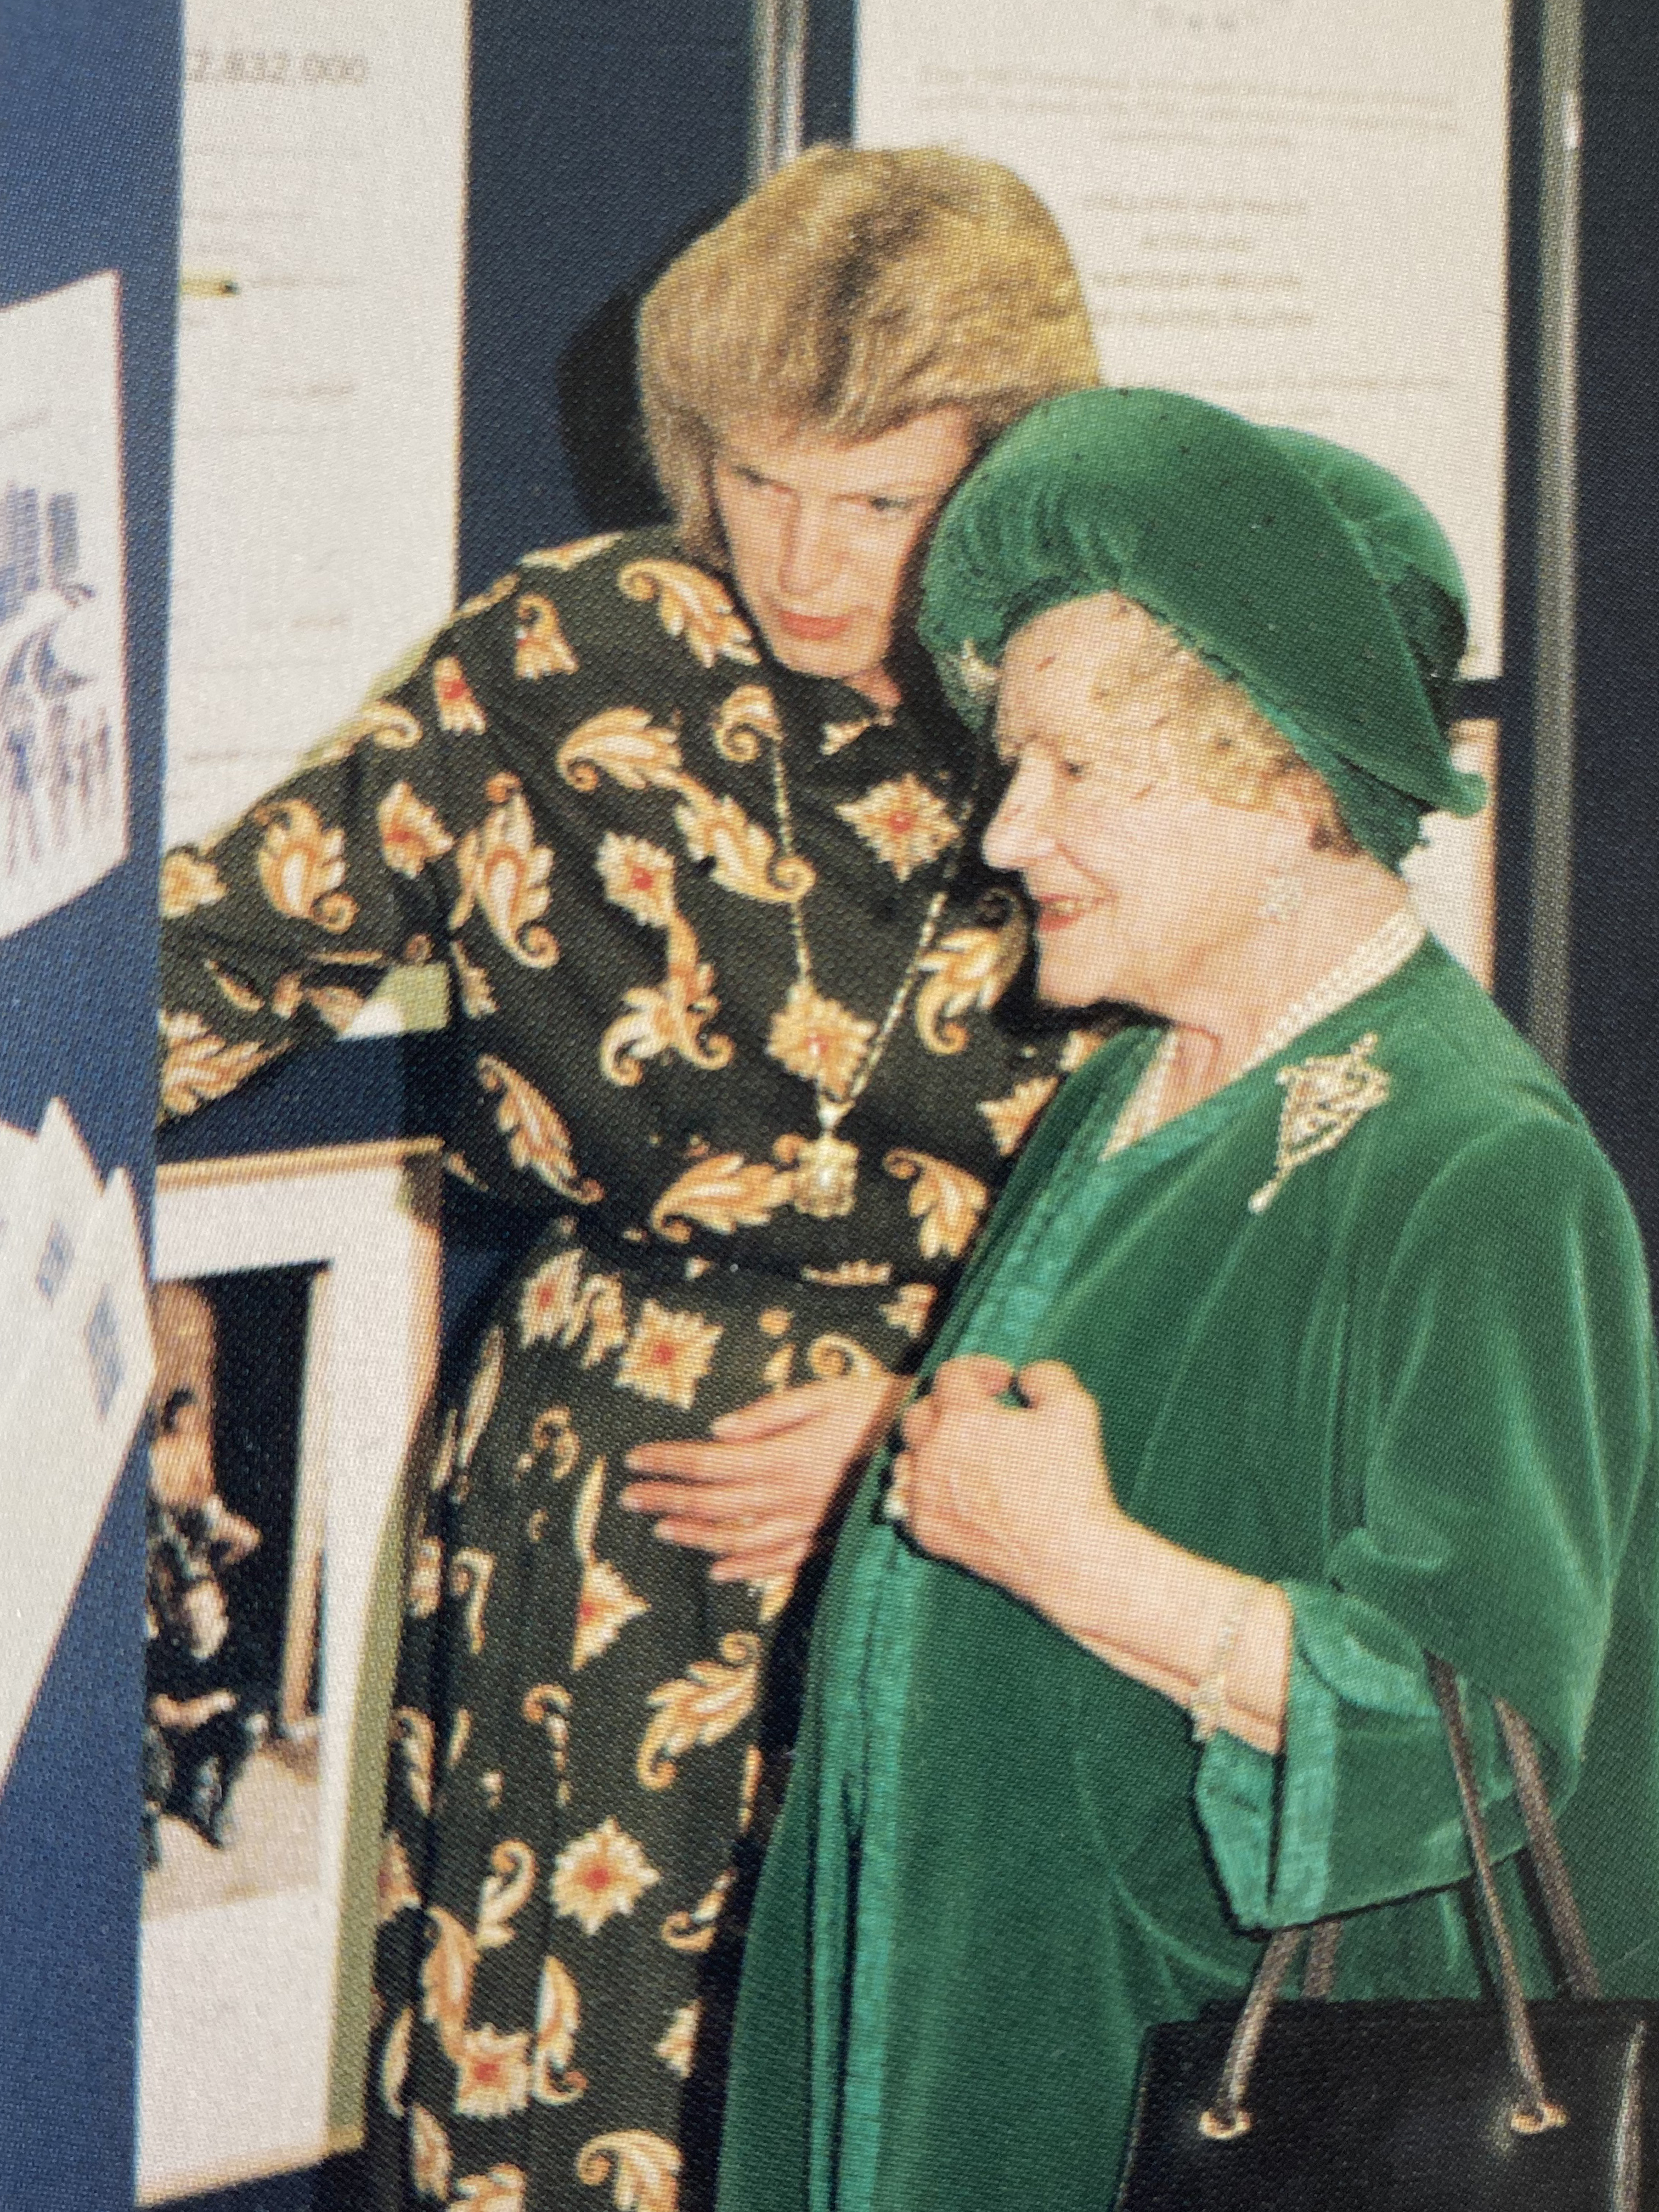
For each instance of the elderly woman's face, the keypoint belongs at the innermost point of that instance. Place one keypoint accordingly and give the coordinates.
(1143, 885)
(822, 537)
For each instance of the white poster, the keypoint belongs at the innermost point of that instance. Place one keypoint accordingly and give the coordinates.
(1293, 209)
(63, 639)
(314, 502)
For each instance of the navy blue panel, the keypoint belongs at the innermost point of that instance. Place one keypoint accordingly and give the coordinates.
(89, 180)
(602, 139)
(1614, 1021)
(831, 58)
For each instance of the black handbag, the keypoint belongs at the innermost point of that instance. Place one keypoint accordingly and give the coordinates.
(1445, 2105)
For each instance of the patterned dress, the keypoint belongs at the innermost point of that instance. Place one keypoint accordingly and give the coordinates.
(672, 882)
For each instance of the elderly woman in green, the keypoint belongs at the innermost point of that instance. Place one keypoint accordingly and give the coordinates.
(1310, 1338)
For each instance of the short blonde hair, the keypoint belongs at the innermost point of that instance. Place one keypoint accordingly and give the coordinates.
(1211, 733)
(858, 288)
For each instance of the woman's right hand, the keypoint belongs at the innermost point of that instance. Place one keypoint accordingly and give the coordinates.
(757, 1496)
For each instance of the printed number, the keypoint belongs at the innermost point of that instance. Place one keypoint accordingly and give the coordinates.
(230, 66)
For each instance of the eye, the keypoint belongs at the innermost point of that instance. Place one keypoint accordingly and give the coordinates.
(889, 503)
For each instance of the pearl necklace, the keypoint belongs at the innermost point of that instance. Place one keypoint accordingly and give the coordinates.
(1386, 949)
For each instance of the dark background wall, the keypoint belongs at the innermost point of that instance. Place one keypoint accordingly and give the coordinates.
(89, 148)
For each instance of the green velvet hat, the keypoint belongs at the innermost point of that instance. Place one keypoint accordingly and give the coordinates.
(1305, 572)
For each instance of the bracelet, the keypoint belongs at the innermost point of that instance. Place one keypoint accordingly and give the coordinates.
(1208, 1703)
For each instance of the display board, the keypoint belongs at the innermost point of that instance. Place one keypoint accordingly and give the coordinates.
(1293, 209)
(314, 502)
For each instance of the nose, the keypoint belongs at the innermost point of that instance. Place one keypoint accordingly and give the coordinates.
(809, 555)
(1016, 834)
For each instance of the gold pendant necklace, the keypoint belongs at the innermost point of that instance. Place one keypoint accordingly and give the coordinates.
(826, 1167)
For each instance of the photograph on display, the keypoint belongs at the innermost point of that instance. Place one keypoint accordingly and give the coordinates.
(295, 1324)
(234, 1593)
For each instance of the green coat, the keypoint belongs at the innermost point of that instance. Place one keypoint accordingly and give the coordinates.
(1416, 1389)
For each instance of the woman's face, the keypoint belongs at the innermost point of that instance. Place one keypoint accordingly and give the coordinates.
(1145, 886)
(823, 537)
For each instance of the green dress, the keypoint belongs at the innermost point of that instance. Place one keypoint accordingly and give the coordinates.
(669, 879)
(1413, 1385)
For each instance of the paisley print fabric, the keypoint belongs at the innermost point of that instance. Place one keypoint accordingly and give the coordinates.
(574, 803)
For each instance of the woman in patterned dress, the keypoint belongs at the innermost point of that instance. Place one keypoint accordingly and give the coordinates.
(696, 837)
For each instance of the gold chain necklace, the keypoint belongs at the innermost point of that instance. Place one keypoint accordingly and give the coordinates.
(826, 1166)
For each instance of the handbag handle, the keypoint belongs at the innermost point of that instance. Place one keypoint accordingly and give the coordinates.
(1227, 2115)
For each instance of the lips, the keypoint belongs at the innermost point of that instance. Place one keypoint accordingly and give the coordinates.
(811, 629)
(1055, 914)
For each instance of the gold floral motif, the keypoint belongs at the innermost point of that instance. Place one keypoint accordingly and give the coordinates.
(605, 1604)
(538, 1136)
(491, 596)
(241, 995)
(978, 678)
(338, 1007)
(410, 832)
(723, 1193)
(393, 728)
(600, 1874)
(426, 1579)
(819, 1040)
(571, 556)
(693, 606)
(302, 866)
(394, 1881)
(677, 2044)
(754, 1765)
(501, 2190)
(967, 971)
(470, 1573)
(837, 736)
(556, 1305)
(553, 2080)
(851, 1274)
(775, 1321)
(668, 1354)
(547, 1706)
(626, 745)
(188, 881)
(833, 1356)
(902, 823)
(1324, 1098)
(477, 998)
(394, 2062)
(779, 1371)
(667, 1017)
(1011, 1117)
(503, 871)
(460, 1735)
(492, 2074)
(946, 1200)
(698, 1708)
(429, 2165)
(481, 1393)
(458, 712)
(200, 1065)
(910, 1307)
(643, 2170)
(443, 1460)
(540, 646)
(504, 1891)
(742, 857)
(446, 1974)
(638, 877)
(411, 1734)
(747, 720)
(694, 1931)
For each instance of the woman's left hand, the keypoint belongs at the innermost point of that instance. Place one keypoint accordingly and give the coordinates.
(1018, 1494)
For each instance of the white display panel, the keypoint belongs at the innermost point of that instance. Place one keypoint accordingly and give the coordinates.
(314, 502)
(1293, 209)
(62, 635)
